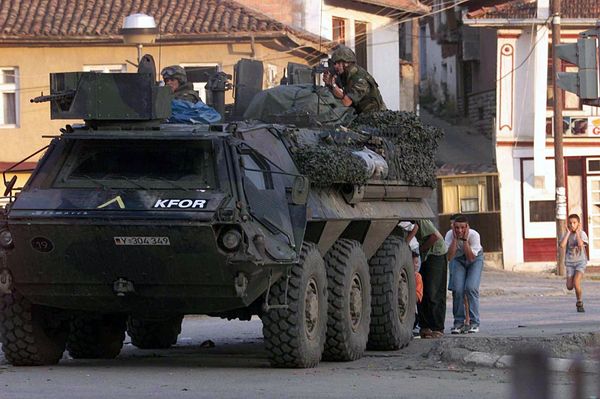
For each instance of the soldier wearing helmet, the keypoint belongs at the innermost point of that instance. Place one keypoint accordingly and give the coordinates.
(358, 88)
(176, 78)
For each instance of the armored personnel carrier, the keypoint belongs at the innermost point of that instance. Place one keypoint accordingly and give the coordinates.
(127, 224)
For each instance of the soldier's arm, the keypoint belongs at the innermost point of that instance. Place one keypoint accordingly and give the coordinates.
(338, 93)
(357, 90)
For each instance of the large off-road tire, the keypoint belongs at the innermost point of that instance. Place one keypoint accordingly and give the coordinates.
(349, 298)
(31, 335)
(295, 336)
(393, 297)
(96, 336)
(154, 334)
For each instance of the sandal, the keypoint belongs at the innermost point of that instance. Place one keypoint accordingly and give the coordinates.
(579, 305)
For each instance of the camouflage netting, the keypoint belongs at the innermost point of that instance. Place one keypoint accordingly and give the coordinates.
(330, 164)
(409, 145)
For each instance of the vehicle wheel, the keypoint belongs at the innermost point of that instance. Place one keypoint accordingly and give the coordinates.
(393, 297)
(154, 334)
(349, 298)
(96, 336)
(31, 335)
(295, 336)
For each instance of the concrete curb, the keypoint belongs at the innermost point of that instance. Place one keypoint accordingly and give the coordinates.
(485, 359)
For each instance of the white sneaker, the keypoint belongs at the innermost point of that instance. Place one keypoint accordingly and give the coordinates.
(455, 330)
(473, 329)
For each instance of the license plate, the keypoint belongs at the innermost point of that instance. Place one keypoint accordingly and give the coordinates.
(142, 241)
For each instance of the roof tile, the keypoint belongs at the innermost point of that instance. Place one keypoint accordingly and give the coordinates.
(102, 18)
(522, 9)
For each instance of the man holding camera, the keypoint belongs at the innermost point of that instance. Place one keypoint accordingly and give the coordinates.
(358, 88)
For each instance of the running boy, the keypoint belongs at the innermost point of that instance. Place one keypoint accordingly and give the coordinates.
(574, 242)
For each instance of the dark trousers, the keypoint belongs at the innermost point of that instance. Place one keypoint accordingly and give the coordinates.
(432, 309)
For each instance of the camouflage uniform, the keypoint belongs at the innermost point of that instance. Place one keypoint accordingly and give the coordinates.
(358, 84)
(185, 91)
(362, 89)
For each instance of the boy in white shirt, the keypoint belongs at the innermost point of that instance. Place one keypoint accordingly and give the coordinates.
(466, 258)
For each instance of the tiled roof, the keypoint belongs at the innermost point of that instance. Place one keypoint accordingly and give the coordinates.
(449, 169)
(102, 19)
(522, 9)
(410, 6)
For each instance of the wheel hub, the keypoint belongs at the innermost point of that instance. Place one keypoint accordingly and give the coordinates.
(311, 312)
(403, 292)
(356, 302)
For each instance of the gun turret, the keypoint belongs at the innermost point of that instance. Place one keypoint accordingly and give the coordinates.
(108, 99)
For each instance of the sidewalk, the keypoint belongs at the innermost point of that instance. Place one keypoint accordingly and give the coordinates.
(521, 310)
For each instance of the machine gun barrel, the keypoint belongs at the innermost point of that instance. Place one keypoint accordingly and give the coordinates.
(68, 94)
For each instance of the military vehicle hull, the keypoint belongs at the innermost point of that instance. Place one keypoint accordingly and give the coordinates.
(236, 232)
(128, 225)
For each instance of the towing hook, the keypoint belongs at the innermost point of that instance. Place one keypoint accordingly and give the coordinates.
(6, 281)
(121, 287)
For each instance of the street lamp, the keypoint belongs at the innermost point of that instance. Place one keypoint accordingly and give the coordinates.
(139, 29)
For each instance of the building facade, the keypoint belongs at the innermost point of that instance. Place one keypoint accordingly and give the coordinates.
(523, 131)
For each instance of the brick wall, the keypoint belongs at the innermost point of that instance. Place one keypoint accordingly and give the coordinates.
(288, 12)
(482, 109)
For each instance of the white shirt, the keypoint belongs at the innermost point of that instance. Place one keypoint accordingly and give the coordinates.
(474, 242)
(413, 244)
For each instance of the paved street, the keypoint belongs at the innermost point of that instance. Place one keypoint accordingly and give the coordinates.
(516, 309)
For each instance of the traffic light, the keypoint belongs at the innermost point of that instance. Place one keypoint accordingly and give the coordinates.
(585, 54)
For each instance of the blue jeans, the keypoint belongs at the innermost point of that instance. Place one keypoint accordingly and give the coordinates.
(466, 277)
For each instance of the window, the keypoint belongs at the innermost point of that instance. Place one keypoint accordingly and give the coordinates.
(542, 211)
(172, 165)
(257, 171)
(198, 75)
(593, 165)
(360, 43)
(469, 205)
(271, 75)
(468, 194)
(109, 68)
(338, 27)
(8, 97)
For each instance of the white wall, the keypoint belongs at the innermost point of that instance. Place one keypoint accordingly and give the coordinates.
(509, 178)
(440, 72)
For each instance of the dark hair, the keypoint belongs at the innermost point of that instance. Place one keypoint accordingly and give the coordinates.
(574, 216)
(415, 254)
(456, 215)
(461, 219)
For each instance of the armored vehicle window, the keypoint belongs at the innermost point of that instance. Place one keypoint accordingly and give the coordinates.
(138, 164)
(257, 171)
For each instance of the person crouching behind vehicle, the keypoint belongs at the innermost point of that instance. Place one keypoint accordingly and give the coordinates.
(175, 77)
(466, 256)
(358, 88)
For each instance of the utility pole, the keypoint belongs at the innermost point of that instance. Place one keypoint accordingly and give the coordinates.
(559, 163)
(416, 55)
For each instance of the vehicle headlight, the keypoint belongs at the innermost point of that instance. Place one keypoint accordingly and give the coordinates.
(231, 239)
(6, 240)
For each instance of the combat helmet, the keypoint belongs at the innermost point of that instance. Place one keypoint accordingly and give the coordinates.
(174, 72)
(343, 53)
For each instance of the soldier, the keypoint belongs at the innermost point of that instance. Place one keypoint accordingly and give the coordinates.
(359, 89)
(175, 77)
